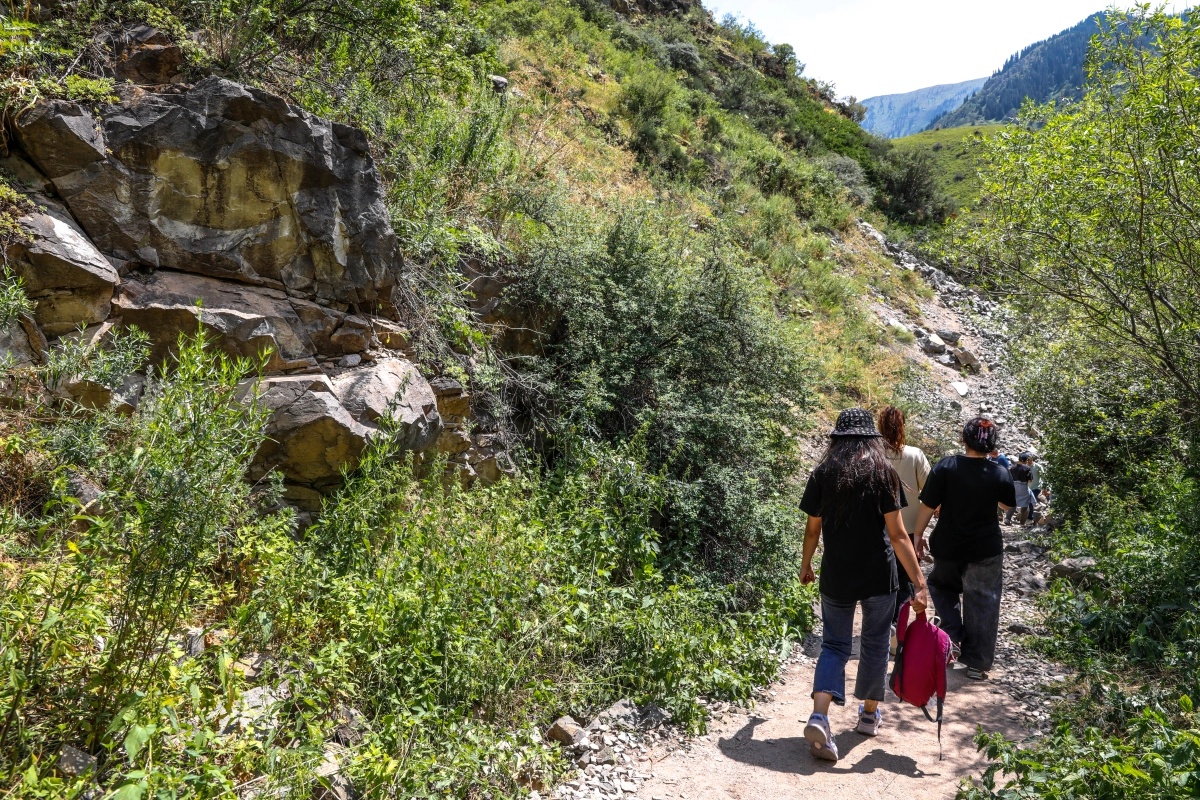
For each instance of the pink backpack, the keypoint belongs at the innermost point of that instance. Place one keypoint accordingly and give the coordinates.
(920, 668)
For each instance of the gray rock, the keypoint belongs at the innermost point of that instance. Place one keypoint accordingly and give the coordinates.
(1020, 628)
(311, 436)
(352, 360)
(604, 756)
(75, 763)
(622, 714)
(61, 269)
(193, 642)
(949, 336)
(146, 55)
(1073, 569)
(85, 490)
(933, 344)
(452, 399)
(320, 426)
(223, 180)
(392, 385)
(966, 358)
(244, 321)
(21, 343)
(499, 83)
(566, 731)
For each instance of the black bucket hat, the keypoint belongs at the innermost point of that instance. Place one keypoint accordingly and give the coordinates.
(855, 422)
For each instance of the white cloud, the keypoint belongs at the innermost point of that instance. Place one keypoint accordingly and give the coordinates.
(873, 47)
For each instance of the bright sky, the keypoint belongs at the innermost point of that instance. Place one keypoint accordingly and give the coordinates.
(873, 47)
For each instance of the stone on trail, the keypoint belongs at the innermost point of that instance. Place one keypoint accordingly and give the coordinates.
(960, 387)
(1073, 569)
(966, 359)
(566, 731)
(933, 344)
(949, 336)
(75, 763)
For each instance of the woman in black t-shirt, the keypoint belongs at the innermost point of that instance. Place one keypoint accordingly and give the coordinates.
(853, 500)
(967, 579)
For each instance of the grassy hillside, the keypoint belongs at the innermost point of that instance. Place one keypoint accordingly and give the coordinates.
(896, 115)
(951, 154)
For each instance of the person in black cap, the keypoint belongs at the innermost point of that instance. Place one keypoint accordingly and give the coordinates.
(853, 500)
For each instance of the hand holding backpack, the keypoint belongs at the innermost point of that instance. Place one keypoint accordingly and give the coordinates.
(920, 667)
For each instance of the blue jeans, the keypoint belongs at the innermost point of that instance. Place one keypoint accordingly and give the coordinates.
(837, 619)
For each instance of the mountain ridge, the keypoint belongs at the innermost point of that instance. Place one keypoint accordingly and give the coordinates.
(1050, 69)
(897, 115)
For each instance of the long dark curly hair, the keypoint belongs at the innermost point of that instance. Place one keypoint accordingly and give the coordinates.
(856, 466)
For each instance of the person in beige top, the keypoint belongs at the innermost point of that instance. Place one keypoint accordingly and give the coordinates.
(913, 467)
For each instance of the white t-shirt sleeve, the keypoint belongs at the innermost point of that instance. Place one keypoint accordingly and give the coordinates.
(922, 467)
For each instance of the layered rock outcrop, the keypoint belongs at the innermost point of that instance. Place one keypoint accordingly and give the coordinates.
(221, 207)
(226, 181)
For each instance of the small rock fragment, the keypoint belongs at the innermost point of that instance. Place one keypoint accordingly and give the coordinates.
(74, 762)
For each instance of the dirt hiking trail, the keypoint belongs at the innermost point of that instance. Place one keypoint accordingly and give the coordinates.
(761, 752)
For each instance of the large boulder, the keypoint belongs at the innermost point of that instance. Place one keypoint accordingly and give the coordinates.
(245, 321)
(21, 343)
(67, 276)
(319, 426)
(392, 386)
(143, 54)
(226, 181)
(311, 436)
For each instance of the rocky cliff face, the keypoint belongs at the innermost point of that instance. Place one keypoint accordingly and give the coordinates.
(222, 206)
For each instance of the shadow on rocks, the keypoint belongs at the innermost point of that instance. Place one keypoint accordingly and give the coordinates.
(790, 754)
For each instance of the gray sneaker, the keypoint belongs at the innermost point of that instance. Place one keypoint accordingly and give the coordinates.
(868, 724)
(820, 738)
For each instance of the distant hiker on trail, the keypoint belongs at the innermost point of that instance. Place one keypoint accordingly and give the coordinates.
(912, 466)
(999, 458)
(1022, 475)
(853, 501)
(966, 544)
(1035, 484)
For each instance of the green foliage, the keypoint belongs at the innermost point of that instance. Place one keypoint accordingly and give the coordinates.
(106, 363)
(1088, 205)
(1157, 761)
(952, 153)
(14, 302)
(85, 626)
(1087, 212)
(667, 333)
(456, 623)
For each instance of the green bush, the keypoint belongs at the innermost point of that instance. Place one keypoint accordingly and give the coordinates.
(667, 333)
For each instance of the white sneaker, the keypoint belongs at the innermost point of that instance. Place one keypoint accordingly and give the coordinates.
(820, 738)
(868, 724)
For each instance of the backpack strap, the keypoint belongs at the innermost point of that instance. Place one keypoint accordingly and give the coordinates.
(928, 716)
(939, 722)
(902, 621)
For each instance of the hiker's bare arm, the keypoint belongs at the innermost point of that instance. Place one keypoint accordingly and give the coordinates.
(812, 535)
(908, 559)
(924, 514)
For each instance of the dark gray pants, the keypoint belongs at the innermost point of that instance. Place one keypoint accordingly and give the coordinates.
(967, 597)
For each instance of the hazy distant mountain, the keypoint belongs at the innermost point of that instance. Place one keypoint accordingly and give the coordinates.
(1047, 70)
(896, 115)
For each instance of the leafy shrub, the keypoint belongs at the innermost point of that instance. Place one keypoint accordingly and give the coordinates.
(667, 333)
